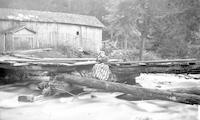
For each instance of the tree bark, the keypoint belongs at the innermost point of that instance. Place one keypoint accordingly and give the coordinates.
(142, 47)
(126, 43)
(133, 90)
(191, 90)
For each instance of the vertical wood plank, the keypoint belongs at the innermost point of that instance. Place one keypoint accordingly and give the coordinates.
(2, 44)
(13, 46)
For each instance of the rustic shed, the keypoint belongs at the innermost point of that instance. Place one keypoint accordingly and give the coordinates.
(52, 29)
(19, 38)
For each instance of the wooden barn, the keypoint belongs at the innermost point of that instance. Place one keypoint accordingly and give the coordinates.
(29, 29)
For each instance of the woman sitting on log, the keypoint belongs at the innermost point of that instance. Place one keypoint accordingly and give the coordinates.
(101, 70)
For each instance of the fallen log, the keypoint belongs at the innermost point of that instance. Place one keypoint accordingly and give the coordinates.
(190, 90)
(133, 90)
(130, 97)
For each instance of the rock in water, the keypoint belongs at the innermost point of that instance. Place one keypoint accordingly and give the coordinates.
(26, 98)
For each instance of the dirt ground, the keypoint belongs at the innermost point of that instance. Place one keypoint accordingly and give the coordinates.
(102, 107)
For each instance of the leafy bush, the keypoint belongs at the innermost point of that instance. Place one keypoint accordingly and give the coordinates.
(194, 52)
(108, 47)
(69, 51)
(132, 55)
(126, 55)
(73, 52)
(151, 56)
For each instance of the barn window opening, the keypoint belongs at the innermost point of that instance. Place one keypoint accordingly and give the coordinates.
(77, 33)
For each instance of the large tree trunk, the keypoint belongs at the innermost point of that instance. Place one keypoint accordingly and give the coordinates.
(142, 48)
(133, 90)
(191, 90)
(126, 43)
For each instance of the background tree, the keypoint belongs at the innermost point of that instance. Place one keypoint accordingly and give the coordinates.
(169, 25)
(131, 21)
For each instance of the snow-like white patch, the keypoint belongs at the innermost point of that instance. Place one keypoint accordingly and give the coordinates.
(22, 17)
(166, 81)
(11, 17)
(149, 106)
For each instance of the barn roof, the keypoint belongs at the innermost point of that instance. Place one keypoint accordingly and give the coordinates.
(44, 16)
(16, 29)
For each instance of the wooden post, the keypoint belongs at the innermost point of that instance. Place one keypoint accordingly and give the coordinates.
(133, 90)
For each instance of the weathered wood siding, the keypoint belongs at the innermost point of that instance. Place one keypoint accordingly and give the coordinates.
(20, 40)
(8, 42)
(53, 34)
(24, 39)
(91, 38)
(2, 43)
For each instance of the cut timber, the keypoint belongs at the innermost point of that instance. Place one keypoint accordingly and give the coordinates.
(52, 60)
(68, 59)
(30, 51)
(127, 71)
(171, 68)
(133, 90)
(24, 56)
(56, 60)
(155, 61)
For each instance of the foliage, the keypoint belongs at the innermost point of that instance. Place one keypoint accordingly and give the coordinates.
(151, 56)
(168, 25)
(88, 7)
(126, 55)
(109, 46)
(176, 29)
(132, 55)
(72, 52)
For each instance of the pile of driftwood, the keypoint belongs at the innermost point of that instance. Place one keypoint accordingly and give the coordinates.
(177, 66)
(20, 60)
(58, 66)
(15, 65)
(129, 70)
